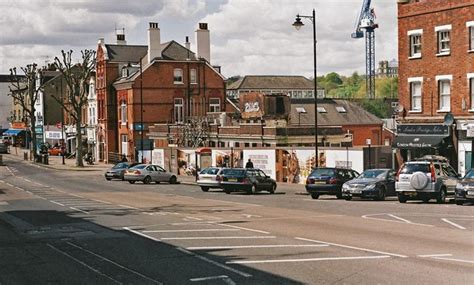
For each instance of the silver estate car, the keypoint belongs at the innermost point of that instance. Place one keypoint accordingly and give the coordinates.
(148, 173)
(210, 178)
(424, 180)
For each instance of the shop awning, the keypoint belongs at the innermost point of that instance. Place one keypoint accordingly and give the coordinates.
(422, 141)
(12, 132)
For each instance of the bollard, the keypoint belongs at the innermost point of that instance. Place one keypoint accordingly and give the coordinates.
(45, 159)
(25, 156)
(1, 159)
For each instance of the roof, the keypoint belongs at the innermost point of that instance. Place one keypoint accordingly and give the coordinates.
(133, 53)
(353, 115)
(272, 82)
(8, 77)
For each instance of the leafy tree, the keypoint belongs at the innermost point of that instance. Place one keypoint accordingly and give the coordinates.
(24, 91)
(77, 78)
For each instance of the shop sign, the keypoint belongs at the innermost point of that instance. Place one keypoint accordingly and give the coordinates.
(441, 130)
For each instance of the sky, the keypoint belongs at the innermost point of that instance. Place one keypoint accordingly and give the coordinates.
(248, 37)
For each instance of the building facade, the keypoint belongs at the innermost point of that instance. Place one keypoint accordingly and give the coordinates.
(436, 79)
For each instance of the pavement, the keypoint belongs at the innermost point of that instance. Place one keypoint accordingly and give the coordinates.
(56, 162)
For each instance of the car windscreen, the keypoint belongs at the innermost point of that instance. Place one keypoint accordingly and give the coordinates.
(233, 172)
(322, 172)
(470, 174)
(140, 166)
(210, 170)
(415, 167)
(373, 173)
(120, 165)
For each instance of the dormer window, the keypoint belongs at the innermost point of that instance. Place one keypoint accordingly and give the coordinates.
(124, 71)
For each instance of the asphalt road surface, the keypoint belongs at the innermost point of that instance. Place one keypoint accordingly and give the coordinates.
(71, 227)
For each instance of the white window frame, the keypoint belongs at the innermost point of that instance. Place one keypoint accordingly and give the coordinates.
(441, 79)
(411, 82)
(443, 39)
(178, 76)
(470, 85)
(193, 76)
(124, 142)
(213, 106)
(470, 31)
(178, 110)
(123, 113)
(411, 44)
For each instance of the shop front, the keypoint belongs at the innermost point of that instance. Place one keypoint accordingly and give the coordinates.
(465, 135)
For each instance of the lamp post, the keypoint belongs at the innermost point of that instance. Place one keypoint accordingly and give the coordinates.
(369, 142)
(298, 24)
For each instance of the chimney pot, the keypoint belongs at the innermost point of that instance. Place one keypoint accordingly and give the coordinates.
(203, 26)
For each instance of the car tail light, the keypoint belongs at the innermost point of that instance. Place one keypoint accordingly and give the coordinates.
(218, 178)
(309, 181)
(137, 172)
(397, 177)
(245, 181)
(333, 180)
(433, 174)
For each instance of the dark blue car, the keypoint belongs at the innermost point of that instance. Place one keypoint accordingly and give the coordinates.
(328, 181)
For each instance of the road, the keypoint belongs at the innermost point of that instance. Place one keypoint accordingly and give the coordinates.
(71, 227)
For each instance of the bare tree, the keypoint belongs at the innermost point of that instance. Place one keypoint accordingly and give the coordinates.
(24, 92)
(77, 78)
(194, 133)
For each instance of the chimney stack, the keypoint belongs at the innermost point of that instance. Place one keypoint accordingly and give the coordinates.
(187, 44)
(154, 42)
(121, 36)
(203, 42)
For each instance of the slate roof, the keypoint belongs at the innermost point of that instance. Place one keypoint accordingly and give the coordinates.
(272, 82)
(354, 115)
(132, 53)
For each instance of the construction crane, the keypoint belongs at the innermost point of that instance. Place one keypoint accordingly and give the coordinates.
(366, 22)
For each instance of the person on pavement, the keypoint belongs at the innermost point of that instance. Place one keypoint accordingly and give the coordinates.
(249, 164)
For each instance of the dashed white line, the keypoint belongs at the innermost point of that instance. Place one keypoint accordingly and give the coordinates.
(54, 202)
(141, 234)
(242, 228)
(306, 259)
(193, 218)
(227, 237)
(254, 246)
(183, 231)
(128, 207)
(353, 247)
(210, 278)
(79, 210)
(370, 217)
(100, 201)
(435, 255)
(453, 224)
(454, 259)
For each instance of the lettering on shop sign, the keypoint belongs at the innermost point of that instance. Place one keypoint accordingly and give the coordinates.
(423, 130)
(252, 107)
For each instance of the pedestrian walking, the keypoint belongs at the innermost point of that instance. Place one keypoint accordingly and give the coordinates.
(249, 164)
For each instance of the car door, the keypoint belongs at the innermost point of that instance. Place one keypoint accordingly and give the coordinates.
(452, 178)
(266, 180)
(150, 171)
(390, 182)
(163, 176)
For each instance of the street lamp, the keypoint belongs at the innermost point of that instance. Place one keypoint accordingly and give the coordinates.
(298, 24)
(369, 142)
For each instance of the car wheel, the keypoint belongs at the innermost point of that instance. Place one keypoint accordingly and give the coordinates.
(348, 198)
(314, 195)
(459, 202)
(108, 179)
(172, 180)
(274, 187)
(441, 196)
(157, 182)
(381, 194)
(131, 181)
(425, 199)
(252, 190)
(227, 191)
(205, 189)
(402, 198)
(339, 196)
(147, 180)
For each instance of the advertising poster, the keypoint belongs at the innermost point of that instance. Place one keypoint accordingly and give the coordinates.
(186, 162)
(157, 157)
(222, 158)
(262, 159)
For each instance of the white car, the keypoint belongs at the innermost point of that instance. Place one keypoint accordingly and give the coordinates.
(210, 178)
(148, 173)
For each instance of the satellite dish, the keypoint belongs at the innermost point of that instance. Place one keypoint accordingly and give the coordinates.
(448, 119)
(400, 108)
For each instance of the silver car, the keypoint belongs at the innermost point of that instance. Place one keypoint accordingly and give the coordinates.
(424, 180)
(210, 178)
(148, 173)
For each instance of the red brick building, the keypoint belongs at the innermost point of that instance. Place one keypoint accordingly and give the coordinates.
(159, 83)
(436, 77)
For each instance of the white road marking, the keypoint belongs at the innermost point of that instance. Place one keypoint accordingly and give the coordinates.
(435, 255)
(370, 217)
(198, 230)
(246, 204)
(454, 259)
(128, 207)
(194, 254)
(19, 188)
(225, 278)
(193, 218)
(306, 259)
(54, 202)
(83, 264)
(115, 263)
(75, 195)
(453, 224)
(400, 219)
(353, 247)
(79, 210)
(27, 180)
(242, 228)
(9, 184)
(254, 246)
(3, 203)
(100, 201)
(228, 237)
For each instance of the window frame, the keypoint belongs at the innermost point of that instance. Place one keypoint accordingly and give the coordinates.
(441, 80)
(411, 82)
(443, 37)
(470, 34)
(178, 76)
(123, 113)
(178, 109)
(412, 44)
(470, 85)
(215, 106)
(193, 76)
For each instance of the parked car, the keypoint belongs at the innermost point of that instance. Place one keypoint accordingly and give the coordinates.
(149, 173)
(372, 183)
(3, 147)
(426, 179)
(250, 180)
(465, 189)
(328, 181)
(118, 170)
(210, 178)
(55, 150)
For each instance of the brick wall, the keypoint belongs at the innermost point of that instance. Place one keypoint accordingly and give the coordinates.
(426, 15)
